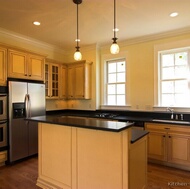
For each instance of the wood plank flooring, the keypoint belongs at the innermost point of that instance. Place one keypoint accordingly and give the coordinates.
(23, 175)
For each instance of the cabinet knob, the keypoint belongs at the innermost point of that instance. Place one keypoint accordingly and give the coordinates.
(164, 136)
(170, 137)
(30, 75)
(25, 74)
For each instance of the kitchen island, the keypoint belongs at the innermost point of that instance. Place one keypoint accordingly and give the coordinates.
(89, 153)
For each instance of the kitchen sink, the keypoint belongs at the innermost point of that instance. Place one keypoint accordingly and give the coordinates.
(171, 121)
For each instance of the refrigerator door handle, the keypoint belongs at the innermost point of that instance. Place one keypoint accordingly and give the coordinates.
(26, 100)
(29, 106)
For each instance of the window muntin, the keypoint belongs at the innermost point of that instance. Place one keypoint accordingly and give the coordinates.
(116, 82)
(174, 79)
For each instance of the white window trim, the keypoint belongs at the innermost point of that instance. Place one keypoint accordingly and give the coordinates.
(181, 44)
(104, 59)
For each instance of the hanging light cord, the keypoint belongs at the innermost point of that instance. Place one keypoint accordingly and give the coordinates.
(77, 29)
(114, 20)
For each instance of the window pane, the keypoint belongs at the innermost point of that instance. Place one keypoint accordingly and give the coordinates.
(120, 99)
(121, 77)
(167, 87)
(167, 60)
(181, 100)
(181, 86)
(111, 78)
(168, 100)
(111, 89)
(181, 58)
(121, 66)
(111, 100)
(111, 67)
(180, 71)
(120, 88)
(168, 73)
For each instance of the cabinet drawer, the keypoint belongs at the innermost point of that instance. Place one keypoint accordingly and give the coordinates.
(168, 127)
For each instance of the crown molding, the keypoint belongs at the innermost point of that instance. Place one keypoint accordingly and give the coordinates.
(31, 41)
(147, 38)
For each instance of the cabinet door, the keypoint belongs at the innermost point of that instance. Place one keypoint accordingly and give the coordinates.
(17, 64)
(54, 81)
(71, 84)
(36, 67)
(63, 83)
(3, 65)
(47, 80)
(178, 148)
(157, 145)
(79, 81)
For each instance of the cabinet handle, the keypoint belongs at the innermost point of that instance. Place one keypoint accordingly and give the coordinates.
(164, 136)
(170, 137)
(25, 74)
(30, 75)
(166, 128)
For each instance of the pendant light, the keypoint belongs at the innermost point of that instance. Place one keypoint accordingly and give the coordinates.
(77, 55)
(114, 49)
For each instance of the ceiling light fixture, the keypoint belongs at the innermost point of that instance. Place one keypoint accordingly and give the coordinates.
(77, 55)
(174, 14)
(114, 49)
(36, 23)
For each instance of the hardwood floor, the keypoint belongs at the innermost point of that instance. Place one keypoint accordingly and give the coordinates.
(162, 177)
(23, 175)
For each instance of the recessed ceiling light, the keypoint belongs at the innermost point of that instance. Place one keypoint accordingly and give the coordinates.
(36, 23)
(174, 14)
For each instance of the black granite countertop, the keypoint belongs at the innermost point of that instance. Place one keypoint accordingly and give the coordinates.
(84, 122)
(137, 134)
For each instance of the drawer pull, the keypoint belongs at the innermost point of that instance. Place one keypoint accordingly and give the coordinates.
(166, 128)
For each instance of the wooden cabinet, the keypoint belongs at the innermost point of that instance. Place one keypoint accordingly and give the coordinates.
(179, 148)
(63, 82)
(3, 157)
(3, 65)
(79, 80)
(25, 65)
(157, 145)
(169, 143)
(52, 79)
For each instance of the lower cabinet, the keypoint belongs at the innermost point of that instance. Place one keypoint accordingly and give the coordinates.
(169, 144)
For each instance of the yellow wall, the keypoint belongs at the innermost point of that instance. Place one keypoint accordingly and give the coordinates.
(141, 60)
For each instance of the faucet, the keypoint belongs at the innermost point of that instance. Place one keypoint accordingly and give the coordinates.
(172, 112)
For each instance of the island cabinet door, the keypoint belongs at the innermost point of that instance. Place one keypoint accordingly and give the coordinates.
(55, 159)
(101, 160)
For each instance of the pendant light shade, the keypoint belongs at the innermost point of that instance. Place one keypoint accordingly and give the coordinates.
(114, 49)
(77, 54)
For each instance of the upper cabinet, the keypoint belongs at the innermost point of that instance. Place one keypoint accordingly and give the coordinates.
(63, 82)
(25, 65)
(3, 65)
(52, 79)
(79, 80)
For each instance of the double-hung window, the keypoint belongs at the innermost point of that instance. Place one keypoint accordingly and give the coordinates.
(174, 89)
(116, 82)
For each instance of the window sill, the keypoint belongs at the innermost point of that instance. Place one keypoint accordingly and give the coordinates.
(113, 107)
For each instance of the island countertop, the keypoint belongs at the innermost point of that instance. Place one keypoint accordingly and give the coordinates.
(83, 122)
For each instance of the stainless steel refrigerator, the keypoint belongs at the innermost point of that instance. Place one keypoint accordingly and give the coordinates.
(25, 99)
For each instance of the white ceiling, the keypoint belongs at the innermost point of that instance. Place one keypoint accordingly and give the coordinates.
(135, 18)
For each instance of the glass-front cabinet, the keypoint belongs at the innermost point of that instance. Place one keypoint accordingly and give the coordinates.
(52, 81)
